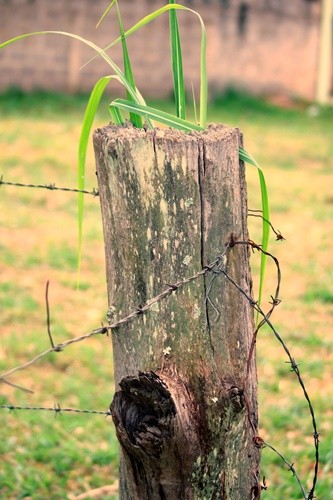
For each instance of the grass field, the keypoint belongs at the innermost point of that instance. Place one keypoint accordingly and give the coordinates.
(48, 456)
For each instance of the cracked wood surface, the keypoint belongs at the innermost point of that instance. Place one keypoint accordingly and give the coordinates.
(170, 202)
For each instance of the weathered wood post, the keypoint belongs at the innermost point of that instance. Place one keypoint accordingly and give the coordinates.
(171, 201)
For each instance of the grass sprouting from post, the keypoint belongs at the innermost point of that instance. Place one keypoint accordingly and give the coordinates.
(88, 119)
(116, 116)
(203, 66)
(136, 119)
(155, 114)
(177, 65)
(194, 106)
(246, 157)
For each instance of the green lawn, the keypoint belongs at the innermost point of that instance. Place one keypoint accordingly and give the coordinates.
(56, 456)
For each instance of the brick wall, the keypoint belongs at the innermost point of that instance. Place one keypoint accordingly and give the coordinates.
(265, 46)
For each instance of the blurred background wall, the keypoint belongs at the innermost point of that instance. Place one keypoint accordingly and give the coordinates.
(269, 47)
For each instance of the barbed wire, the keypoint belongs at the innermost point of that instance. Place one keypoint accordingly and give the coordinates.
(50, 187)
(48, 319)
(258, 213)
(56, 409)
(263, 444)
(16, 386)
(170, 288)
(217, 267)
(294, 365)
(95, 192)
(56, 348)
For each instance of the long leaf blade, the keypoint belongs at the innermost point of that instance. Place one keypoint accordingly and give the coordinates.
(116, 115)
(136, 120)
(177, 64)
(246, 157)
(194, 105)
(156, 114)
(88, 119)
(105, 13)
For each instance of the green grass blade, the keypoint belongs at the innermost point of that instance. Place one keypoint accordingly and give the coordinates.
(203, 68)
(203, 80)
(177, 64)
(246, 157)
(194, 105)
(116, 116)
(135, 119)
(88, 119)
(156, 114)
(105, 13)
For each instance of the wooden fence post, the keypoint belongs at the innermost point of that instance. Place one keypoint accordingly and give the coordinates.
(185, 412)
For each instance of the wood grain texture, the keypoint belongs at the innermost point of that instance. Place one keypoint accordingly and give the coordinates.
(170, 203)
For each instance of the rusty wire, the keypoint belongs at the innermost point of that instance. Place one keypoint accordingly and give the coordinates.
(263, 444)
(258, 213)
(217, 268)
(293, 364)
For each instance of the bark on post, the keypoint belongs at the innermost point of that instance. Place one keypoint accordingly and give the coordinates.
(171, 201)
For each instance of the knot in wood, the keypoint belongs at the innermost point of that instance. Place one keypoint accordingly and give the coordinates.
(143, 412)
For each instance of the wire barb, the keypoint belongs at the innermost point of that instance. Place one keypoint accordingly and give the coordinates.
(50, 187)
(56, 409)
